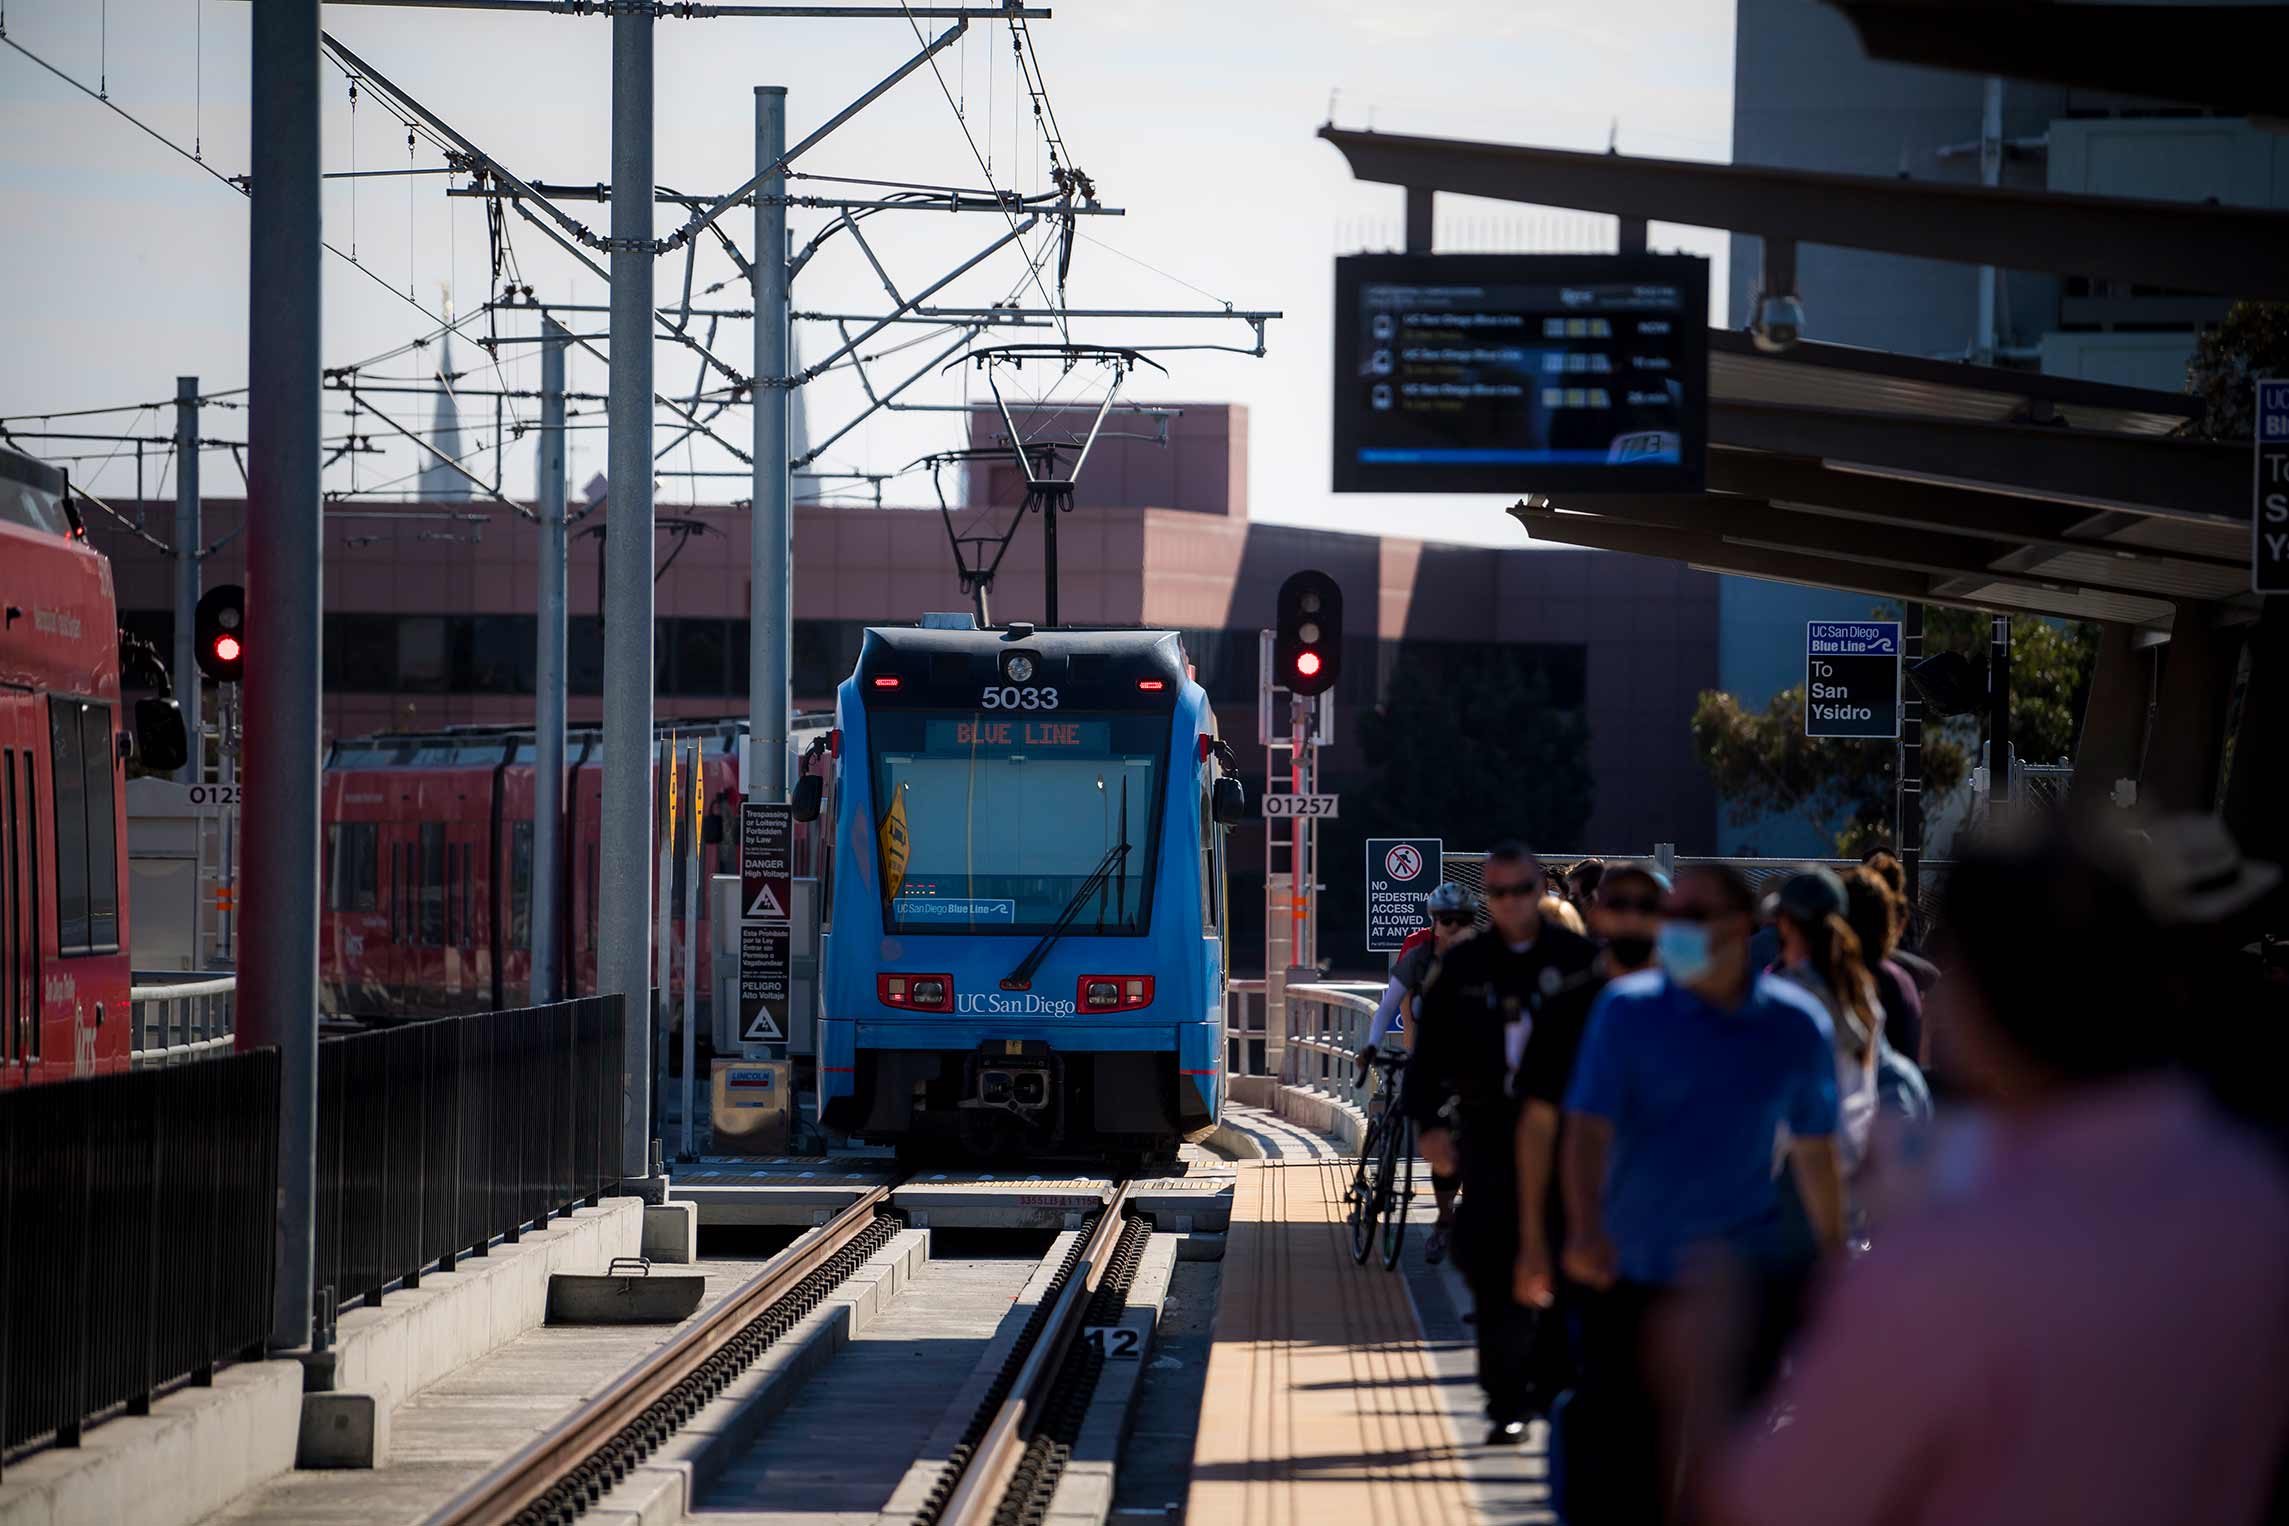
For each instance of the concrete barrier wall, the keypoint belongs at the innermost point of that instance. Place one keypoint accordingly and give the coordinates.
(1337, 1119)
(418, 1336)
(198, 1449)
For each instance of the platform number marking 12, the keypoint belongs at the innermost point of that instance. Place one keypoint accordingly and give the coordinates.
(1115, 1342)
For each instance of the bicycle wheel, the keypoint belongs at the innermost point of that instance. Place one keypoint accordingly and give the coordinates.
(1367, 1187)
(1398, 1190)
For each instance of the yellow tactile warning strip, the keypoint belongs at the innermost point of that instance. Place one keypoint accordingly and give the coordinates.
(1320, 1405)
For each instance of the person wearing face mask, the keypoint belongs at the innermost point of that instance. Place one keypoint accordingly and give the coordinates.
(1622, 917)
(2088, 1324)
(1687, 1074)
(1476, 1017)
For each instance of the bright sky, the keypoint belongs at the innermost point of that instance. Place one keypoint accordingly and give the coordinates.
(125, 264)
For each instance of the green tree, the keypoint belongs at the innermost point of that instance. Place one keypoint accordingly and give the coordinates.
(1763, 764)
(1469, 747)
(2252, 342)
(2051, 662)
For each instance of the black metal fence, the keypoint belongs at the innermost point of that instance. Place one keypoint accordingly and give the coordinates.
(137, 1229)
(139, 1212)
(437, 1136)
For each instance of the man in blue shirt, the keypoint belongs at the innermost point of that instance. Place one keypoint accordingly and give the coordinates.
(1689, 1077)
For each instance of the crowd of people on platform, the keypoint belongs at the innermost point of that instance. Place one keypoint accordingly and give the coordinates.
(1717, 1232)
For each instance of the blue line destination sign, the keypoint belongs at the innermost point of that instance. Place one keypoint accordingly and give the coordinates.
(1852, 678)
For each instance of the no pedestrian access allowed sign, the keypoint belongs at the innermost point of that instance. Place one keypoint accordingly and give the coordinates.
(2269, 518)
(1852, 678)
(1400, 872)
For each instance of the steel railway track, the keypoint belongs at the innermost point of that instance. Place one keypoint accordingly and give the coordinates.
(1010, 1454)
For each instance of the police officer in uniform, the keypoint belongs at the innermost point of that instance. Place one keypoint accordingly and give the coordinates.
(1475, 1015)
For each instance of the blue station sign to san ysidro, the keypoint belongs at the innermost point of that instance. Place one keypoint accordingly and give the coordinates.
(2269, 528)
(1400, 872)
(1852, 678)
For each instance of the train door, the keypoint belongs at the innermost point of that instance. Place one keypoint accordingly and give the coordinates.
(469, 963)
(85, 989)
(20, 1046)
(386, 958)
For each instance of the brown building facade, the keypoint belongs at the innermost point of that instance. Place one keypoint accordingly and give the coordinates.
(430, 609)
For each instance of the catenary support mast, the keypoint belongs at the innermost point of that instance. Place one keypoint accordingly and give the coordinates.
(549, 674)
(626, 869)
(771, 551)
(187, 537)
(278, 963)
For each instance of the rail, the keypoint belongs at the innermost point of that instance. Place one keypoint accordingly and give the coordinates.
(583, 1455)
(977, 1499)
(180, 1016)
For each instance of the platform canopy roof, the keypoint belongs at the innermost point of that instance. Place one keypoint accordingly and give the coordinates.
(1944, 483)
(1896, 475)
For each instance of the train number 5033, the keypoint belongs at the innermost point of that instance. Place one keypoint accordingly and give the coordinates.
(1018, 699)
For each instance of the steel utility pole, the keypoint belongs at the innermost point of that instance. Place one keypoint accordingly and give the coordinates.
(626, 870)
(278, 965)
(771, 550)
(1910, 835)
(187, 537)
(549, 672)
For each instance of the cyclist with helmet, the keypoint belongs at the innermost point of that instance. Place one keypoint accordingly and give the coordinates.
(1453, 913)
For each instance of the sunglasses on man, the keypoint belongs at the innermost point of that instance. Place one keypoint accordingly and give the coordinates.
(1642, 905)
(1505, 892)
(1455, 919)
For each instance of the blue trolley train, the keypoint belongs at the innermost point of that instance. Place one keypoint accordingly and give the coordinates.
(1024, 949)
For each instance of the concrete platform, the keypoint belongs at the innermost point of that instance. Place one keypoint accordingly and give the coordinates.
(788, 1190)
(451, 1431)
(991, 1200)
(801, 1191)
(1195, 1200)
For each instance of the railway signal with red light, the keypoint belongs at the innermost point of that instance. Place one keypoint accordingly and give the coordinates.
(1307, 642)
(219, 640)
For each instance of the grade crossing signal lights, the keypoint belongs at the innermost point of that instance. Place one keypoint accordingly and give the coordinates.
(219, 627)
(1307, 645)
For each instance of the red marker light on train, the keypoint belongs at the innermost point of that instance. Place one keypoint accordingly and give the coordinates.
(1152, 685)
(887, 681)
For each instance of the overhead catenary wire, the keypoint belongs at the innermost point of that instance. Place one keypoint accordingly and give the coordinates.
(984, 164)
(238, 183)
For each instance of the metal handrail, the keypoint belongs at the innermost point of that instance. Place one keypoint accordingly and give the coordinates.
(1326, 1028)
(173, 1020)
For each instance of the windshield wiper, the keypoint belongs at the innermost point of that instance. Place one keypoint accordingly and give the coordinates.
(1021, 978)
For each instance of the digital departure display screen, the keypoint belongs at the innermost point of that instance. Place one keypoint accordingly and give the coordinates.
(1520, 373)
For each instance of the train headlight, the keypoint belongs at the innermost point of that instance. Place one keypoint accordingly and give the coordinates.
(1020, 669)
(929, 991)
(1103, 993)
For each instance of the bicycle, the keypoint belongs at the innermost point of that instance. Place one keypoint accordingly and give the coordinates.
(1384, 1183)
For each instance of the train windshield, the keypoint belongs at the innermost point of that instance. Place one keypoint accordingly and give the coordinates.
(992, 823)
